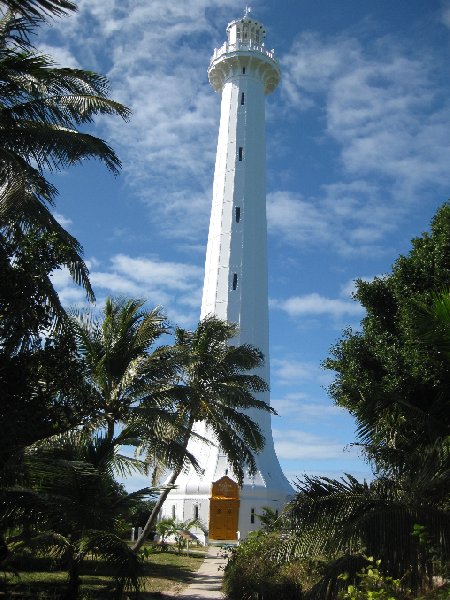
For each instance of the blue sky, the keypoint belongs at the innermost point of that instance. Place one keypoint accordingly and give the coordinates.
(358, 160)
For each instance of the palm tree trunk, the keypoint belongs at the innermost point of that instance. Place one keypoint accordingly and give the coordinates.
(151, 522)
(73, 584)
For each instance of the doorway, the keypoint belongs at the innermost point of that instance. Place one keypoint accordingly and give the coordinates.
(224, 510)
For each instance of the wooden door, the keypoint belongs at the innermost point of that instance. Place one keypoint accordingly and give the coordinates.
(223, 519)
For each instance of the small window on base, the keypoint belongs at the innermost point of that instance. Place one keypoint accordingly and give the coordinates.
(241, 152)
(242, 98)
(252, 515)
(238, 213)
(243, 70)
(234, 281)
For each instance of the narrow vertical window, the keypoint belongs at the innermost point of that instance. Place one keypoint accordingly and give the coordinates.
(226, 471)
(238, 213)
(242, 98)
(173, 511)
(196, 511)
(252, 515)
(234, 281)
(243, 70)
(241, 152)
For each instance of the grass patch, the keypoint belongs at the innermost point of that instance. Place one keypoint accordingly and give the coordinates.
(38, 578)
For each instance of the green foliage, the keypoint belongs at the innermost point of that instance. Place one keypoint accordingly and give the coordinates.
(372, 585)
(139, 513)
(33, 9)
(42, 108)
(40, 578)
(41, 111)
(390, 375)
(130, 379)
(172, 528)
(212, 368)
(73, 508)
(393, 376)
(268, 518)
(253, 571)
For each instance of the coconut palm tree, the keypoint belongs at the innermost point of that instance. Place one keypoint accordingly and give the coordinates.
(74, 507)
(129, 378)
(41, 110)
(215, 384)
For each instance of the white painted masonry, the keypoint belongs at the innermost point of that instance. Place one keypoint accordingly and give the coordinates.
(235, 285)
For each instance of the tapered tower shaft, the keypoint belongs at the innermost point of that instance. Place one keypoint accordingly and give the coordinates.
(235, 285)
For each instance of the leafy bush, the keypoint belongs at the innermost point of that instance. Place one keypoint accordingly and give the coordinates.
(372, 585)
(253, 572)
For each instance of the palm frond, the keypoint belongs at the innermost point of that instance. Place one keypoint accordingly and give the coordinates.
(126, 564)
(39, 8)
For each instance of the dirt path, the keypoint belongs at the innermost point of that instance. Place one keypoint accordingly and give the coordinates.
(207, 583)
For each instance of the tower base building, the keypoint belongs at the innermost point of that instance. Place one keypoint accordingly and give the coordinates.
(235, 285)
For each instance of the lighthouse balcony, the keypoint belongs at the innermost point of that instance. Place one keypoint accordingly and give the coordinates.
(249, 46)
(242, 58)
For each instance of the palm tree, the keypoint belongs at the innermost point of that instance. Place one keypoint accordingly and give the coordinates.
(129, 379)
(434, 323)
(42, 108)
(74, 506)
(345, 520)
(215, 385)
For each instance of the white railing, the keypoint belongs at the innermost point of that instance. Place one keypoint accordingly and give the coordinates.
(226, 47)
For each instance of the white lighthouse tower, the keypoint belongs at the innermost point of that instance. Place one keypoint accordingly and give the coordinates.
(235, 286)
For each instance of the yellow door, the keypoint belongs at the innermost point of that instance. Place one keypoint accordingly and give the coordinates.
(224, 509)
(223, 519)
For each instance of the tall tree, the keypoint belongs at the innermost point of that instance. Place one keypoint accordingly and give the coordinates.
(42, 108)
(388, 375)
(128, 375)
(393, 377)
(215, 385)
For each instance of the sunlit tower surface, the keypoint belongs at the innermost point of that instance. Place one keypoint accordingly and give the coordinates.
(235, 285)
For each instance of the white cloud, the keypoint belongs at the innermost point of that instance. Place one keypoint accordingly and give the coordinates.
(301, 445)
(61, 56)
(172, 275)
(300, 407)
(315, 304)
(62, 220)
(388, 114)
(289, 371)
(445, 16)
(174, 286)
(159, 53)
(351, 216)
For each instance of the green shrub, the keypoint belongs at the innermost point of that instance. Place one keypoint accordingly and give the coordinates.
(253, 573)
(372, 585)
